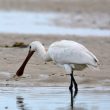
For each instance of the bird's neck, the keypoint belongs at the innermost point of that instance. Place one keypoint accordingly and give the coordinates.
(42, 52)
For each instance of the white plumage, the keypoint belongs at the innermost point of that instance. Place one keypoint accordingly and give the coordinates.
(68, 54)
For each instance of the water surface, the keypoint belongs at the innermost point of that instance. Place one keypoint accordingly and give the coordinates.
(53, 98)
(43, 23)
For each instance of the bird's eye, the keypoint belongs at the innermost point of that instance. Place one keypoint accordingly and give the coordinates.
(30, 47)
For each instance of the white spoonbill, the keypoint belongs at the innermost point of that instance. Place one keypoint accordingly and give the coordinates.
(69, 54)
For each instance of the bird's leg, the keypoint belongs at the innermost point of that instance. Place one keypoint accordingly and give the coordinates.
(71, 90)
(71, 84)
(75, 84)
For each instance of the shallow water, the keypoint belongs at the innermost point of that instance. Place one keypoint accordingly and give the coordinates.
(52, 98)
(42, 23)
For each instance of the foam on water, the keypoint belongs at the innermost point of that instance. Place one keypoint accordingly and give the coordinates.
(42, 23)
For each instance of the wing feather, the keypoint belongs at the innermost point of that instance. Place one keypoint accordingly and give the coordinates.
(70, 52)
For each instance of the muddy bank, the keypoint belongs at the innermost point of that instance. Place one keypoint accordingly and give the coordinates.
(37, 73)
(86, 13)
(57, 5)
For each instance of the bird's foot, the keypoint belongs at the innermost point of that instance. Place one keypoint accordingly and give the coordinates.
(17, 78)
(14, 77)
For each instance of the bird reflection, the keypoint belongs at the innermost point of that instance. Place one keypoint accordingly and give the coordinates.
(20, 103)
(73, 95)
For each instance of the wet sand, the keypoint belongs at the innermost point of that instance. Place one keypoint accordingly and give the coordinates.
(56, 5)
(37, 73)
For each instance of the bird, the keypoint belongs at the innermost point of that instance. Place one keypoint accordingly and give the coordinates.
(68, 54)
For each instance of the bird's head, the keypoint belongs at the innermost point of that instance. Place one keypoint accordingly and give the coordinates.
(35, 46)
(32, 48)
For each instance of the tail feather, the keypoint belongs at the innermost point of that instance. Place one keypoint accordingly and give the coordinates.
(94, 67)
(95, 64)
(95, 61)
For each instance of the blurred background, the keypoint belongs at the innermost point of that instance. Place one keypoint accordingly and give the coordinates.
(55, 17)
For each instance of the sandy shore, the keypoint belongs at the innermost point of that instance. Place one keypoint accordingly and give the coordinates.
(39, 74)
(94, 13)
(57, 5)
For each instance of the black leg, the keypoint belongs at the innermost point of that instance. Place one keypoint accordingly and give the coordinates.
(71, 88)
(75, 85)
(71, 84)
(71, 91)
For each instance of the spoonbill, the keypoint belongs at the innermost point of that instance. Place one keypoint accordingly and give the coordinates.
(68, 54)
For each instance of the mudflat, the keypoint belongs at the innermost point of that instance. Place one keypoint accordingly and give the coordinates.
(37, 73)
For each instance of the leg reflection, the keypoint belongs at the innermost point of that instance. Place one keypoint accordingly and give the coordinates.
(71, 89)
(73, 95)
(20, 103)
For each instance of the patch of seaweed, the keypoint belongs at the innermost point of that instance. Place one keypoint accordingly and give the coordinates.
(19, 44)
